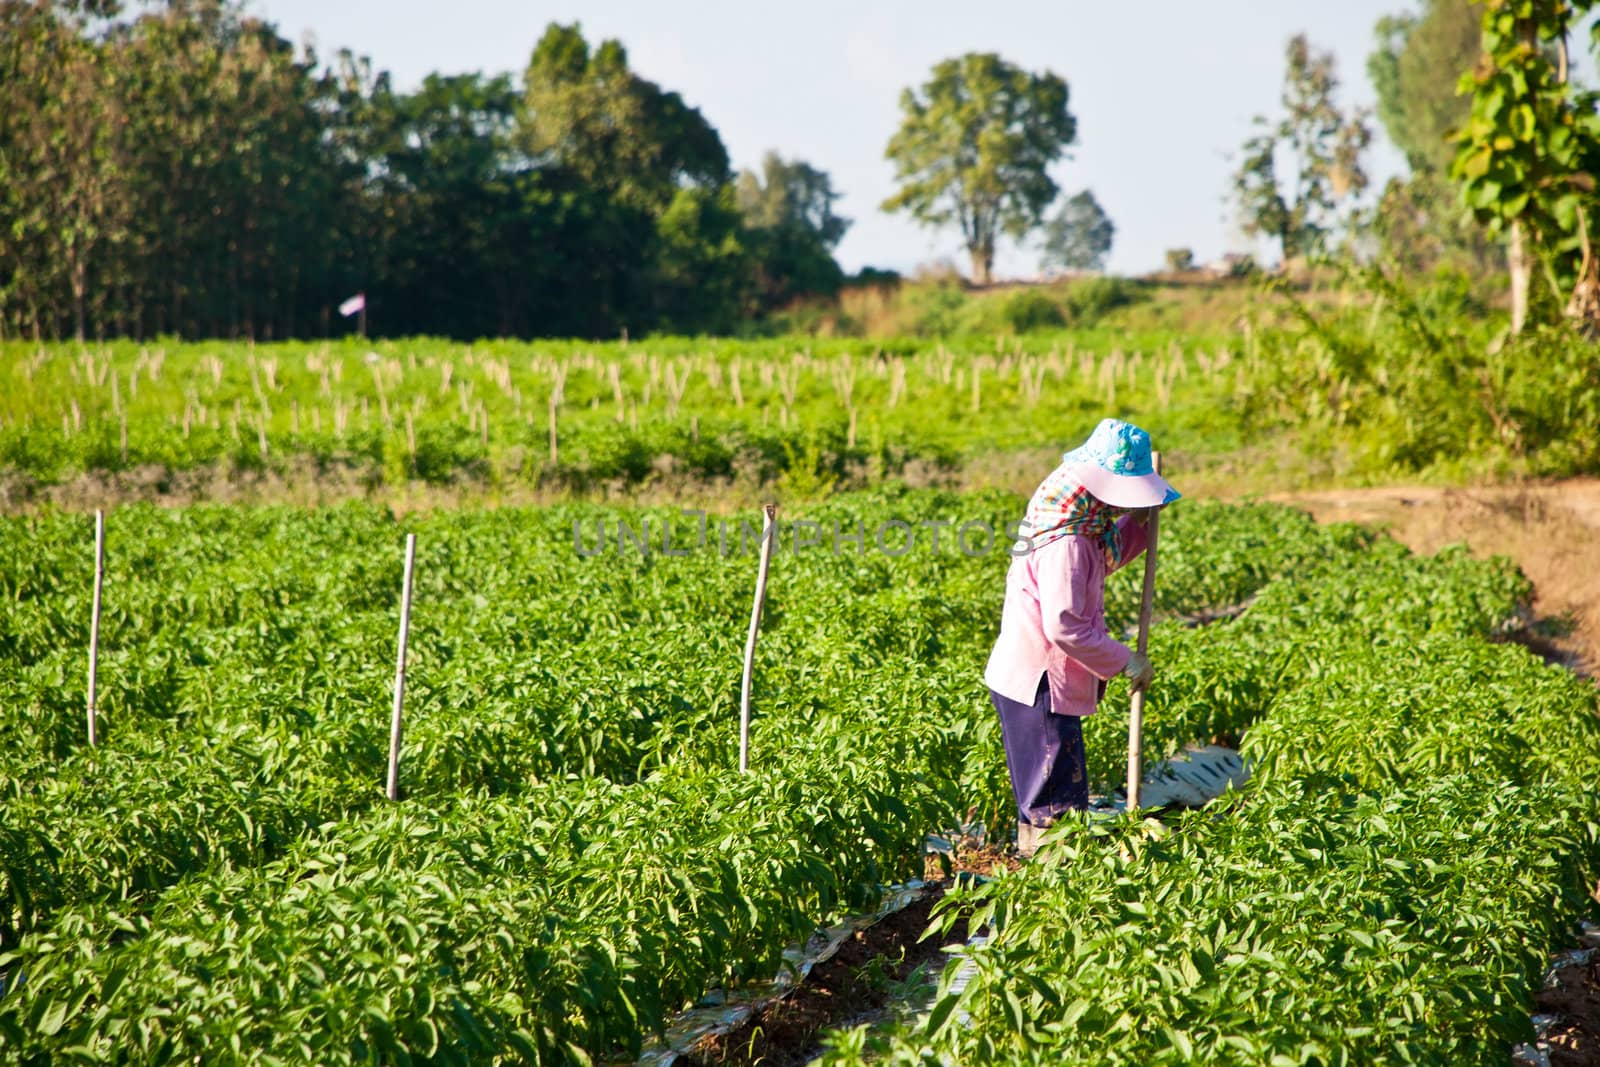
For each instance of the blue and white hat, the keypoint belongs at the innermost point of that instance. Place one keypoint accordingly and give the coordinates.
(1114, 465)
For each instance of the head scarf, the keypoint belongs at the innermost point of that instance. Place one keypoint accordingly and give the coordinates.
(1061, 507)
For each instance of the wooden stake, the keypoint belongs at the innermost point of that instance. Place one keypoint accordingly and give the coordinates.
(768, 533)
(94, 620)
(400, 670)
(1146, 606)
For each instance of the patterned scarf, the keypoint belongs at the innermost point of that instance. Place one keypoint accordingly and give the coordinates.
(1061, 507)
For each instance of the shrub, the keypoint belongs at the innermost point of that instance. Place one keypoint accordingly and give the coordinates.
(1029, 309)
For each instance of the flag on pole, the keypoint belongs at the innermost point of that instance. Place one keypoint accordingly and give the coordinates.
(354, 304)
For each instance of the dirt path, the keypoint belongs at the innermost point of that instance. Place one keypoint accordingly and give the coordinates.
(1551, 530)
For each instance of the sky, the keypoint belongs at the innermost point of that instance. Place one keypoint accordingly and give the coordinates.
(1164, 91)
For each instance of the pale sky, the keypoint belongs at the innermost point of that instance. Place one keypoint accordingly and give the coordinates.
(1163, 91)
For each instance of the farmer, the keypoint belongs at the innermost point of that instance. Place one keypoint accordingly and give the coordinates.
(1053, 656)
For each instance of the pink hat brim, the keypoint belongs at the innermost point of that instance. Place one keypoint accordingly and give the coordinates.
(1123, 490)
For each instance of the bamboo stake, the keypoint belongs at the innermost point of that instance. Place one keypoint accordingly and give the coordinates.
(768, 531)
(393, 788)
(94, 620)
(1146, 606)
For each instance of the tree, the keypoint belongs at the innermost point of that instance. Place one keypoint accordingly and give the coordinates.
(587, 111)
(1322, 146)
(791, 193)
(974, 147)
(1527, 157)
(1415, 71)
(702, 269)
(1079, 237)
(791, 229)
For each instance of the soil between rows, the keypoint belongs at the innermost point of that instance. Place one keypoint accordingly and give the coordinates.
(1574, 998)
(855, 982)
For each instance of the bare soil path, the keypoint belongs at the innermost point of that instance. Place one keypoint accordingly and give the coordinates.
(1551, 530)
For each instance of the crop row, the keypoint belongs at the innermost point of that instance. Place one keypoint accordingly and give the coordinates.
(572, 917)
(463, 923)
(245, 660)
(276, 766)
(430, 410)
(1419, 834)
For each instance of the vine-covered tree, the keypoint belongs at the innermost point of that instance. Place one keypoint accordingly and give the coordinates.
(1528, 155)
(1298, 170)
(1079, 236)
(975, 146)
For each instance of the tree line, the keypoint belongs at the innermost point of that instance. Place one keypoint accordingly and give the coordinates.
(188, 171)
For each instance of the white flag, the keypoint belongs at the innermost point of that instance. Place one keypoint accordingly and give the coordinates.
(354, 304)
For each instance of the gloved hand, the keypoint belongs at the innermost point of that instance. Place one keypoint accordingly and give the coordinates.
(1139, 670)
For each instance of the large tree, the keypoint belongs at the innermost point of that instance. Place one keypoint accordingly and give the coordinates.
(975, 146)
(1321, 146)
(1079, 236)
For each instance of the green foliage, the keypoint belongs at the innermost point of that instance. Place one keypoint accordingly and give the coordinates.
(1419, 832)
(1421, 228)
(791, 229)
(1415, 71)
(621, 134)
(1089, 299)
(182, 170)
(1028, 310)
(1527, 157)
(1398, 379)
(974, 148)
(574, 859)
(1407, 384)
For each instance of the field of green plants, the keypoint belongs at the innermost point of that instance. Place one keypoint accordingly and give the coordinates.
(575, 857)
(1385, 385)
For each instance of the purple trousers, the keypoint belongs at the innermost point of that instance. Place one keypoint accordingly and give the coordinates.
(1044, 754)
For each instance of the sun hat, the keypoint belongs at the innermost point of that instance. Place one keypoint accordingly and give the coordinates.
(1114, 465)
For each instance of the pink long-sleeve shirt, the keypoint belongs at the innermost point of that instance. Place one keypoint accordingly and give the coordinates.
(1054, 623)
